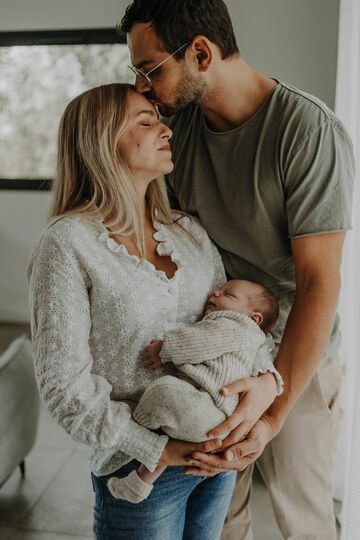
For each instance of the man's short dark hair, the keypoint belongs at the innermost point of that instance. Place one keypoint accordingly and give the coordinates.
(177, 21)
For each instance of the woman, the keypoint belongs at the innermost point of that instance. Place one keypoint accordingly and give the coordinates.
(114, 270)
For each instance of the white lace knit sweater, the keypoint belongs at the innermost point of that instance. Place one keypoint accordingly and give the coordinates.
(94, 308)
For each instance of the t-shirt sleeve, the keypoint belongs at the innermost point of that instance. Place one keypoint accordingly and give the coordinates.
(319, 181)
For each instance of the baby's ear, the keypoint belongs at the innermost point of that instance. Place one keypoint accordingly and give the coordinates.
(257, 317)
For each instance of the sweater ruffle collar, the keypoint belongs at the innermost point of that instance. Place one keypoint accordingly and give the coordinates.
(165, 247)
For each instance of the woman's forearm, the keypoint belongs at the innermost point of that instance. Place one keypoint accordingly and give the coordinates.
(79, 400)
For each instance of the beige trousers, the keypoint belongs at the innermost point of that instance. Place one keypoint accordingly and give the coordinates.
(297, 467)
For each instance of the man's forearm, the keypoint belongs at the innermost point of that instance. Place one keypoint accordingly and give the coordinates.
(304, 342)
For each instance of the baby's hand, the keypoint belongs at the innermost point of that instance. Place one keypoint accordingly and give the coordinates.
(152, 352)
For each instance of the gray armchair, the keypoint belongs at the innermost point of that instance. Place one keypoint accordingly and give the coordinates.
(19, 406)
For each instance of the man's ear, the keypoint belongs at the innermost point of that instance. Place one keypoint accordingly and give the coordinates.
(257, 317)
(202, 48)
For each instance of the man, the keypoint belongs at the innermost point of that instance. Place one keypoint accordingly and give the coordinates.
(269, 171)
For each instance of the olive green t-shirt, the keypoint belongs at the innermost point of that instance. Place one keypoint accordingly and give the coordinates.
(286, 172)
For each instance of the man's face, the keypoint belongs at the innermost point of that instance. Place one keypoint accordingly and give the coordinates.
(174, 84)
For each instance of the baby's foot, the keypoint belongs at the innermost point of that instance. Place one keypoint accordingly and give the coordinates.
(131, 488)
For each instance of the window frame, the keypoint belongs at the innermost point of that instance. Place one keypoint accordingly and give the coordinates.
(81, 36)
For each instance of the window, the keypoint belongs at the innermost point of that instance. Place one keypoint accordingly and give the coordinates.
(40, 72)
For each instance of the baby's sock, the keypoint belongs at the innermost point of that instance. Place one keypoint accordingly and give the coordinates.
(131, 488)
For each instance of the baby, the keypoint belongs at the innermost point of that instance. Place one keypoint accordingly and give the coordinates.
(208, 354)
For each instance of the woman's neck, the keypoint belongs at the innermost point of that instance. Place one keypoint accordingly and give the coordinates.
(144, 207)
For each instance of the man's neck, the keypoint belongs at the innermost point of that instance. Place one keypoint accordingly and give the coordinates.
(236, 94)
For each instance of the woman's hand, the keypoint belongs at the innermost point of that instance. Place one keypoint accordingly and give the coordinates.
(152, 352)
(256, 396)
(179, 452)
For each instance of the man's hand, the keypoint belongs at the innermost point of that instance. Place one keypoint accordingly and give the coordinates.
(151, 353)
(179, 452)
(249, 426)
(238, 456)
(256, 395)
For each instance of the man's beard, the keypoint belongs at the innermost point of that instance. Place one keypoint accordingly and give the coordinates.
(189, 92)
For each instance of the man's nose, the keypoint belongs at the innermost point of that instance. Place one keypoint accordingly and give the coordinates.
(217, 292)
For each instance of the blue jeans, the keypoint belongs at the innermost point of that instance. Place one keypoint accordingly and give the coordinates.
(180, 507)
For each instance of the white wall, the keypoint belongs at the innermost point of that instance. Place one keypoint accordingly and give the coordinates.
(22, 216)
(294, 40)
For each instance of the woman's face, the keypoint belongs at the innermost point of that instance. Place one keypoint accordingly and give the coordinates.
(144, 144)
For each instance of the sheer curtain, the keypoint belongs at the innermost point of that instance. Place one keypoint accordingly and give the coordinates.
(348, 109)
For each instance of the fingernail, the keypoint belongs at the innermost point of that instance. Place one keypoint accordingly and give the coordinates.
(230, 456)
(225, 389)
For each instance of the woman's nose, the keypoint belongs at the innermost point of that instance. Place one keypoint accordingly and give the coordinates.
(166, 132)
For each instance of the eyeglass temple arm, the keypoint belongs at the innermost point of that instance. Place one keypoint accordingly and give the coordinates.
(167, 58)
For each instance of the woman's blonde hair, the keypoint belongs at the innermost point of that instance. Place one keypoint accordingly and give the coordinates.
(92, 178)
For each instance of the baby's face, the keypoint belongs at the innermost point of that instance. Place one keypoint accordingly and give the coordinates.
(235, 295)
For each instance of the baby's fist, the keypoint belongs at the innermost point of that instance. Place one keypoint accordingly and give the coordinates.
(152, 352)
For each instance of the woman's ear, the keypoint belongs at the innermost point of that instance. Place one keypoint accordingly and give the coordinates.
(257, 317)
(202, 48)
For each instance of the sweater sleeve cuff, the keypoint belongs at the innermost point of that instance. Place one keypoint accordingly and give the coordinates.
(164, 357)
(165, 353)
(278, 378)
(152, 455)
(264, 363)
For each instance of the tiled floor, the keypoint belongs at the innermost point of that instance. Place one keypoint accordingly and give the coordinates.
(54, 501)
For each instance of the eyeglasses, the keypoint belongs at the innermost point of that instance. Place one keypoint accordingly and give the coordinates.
(145, 76)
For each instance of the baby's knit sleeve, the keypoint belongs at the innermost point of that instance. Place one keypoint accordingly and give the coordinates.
(79, 400)
(202, 341)
(264, 363)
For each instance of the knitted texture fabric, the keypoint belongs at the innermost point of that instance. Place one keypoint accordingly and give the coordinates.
(215, 351)
(94, 308)
(131, 488)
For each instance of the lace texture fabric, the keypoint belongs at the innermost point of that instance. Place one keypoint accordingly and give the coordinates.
(94, 308)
